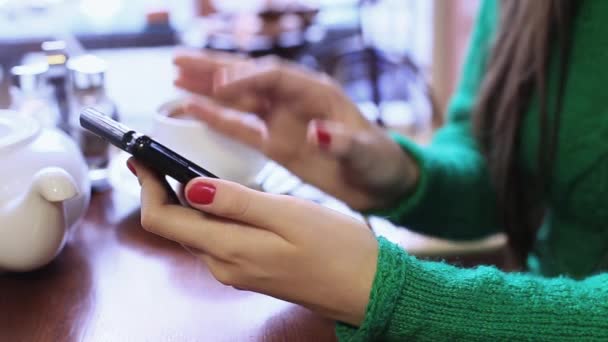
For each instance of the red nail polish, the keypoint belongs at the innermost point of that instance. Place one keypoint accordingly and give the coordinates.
(323, 136)
(131, 168)
(201, 193)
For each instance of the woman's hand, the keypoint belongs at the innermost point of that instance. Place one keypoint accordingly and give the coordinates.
(301, 120)
(277, 245)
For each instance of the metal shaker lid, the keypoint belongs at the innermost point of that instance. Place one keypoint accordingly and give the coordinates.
(55, 51)
(87, 72)
(29, 77)
(53, 46)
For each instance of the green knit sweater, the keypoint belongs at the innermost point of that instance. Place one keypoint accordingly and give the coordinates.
(565, 296)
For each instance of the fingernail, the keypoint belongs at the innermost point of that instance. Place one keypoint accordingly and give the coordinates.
(131, 168)
(201, 193)
(323, 136)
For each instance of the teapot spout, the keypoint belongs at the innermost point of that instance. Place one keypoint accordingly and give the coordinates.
(55, 185)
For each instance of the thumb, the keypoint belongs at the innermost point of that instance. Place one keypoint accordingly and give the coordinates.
(244, 127)
(234, 201)
(355, 148)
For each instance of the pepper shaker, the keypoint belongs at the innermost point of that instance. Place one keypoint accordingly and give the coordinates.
(57, 77)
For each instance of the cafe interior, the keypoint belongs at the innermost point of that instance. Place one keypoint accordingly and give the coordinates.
(107, 279)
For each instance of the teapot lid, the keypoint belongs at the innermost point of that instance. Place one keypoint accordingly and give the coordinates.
(16, 128)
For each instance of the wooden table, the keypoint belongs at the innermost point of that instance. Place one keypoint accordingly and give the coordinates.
(116, 282)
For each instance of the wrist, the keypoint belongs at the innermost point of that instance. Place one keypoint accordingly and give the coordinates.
(385, 297)
(406, 178)
(354, 298)
(401, 178)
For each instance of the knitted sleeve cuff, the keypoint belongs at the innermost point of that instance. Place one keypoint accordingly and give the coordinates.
(411, 201)
(384, 296)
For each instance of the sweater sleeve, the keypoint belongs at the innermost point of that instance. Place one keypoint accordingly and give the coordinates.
(454, 198)
(431, 301)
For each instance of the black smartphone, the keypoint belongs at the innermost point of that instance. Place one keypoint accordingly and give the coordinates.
(143, 148)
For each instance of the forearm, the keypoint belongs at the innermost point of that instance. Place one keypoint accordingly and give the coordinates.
(434, 301)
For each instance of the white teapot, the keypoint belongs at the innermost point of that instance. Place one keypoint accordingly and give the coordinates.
(44, 191)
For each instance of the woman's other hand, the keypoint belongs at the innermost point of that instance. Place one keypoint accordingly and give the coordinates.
(303, 121)
(277, 245)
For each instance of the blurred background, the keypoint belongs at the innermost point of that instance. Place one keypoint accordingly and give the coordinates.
(398, 59)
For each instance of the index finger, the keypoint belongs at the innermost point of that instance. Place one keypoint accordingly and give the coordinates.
(197, 70)
(217, 237)
(205, 62)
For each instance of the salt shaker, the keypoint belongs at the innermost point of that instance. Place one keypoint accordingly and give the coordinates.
(87, 89)
(32, 95)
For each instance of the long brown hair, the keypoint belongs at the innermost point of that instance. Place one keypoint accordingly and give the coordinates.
(529, 31)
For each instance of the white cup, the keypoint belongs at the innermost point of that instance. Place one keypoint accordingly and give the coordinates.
(191, 138)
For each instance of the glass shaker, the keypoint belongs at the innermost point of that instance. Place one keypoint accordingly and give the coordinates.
(32, 95)
(57, 58)
(87, 89)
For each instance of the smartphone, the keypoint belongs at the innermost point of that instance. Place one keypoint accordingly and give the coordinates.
(143, 148)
